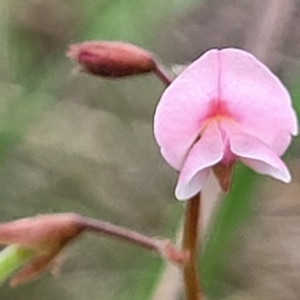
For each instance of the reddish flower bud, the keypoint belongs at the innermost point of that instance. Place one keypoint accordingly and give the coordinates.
(112, 59)
(46, 235)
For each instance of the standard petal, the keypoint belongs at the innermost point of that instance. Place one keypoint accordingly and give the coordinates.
(257, 99)
(205, 153)
(180, 114)
(258, 156)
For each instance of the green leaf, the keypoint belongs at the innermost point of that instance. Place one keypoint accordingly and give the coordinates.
(11, 259)
(233, 211)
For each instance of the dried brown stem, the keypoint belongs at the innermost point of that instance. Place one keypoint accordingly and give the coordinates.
(190, 243)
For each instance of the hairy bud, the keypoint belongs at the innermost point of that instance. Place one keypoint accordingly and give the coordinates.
(45, 235)
(111, 59)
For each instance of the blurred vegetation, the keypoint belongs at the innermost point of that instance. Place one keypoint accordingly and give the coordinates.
(83, 144)
(79, 144)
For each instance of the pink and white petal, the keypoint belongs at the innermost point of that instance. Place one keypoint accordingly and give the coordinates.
(257, 99)
(207, 152)
(185, 191)
(258, 156)
(181, 113)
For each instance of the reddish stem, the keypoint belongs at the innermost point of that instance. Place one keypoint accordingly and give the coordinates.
(162, 74)
(190, 243)
(162, 247)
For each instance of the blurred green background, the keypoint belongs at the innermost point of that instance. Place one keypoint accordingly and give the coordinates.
(83, 144)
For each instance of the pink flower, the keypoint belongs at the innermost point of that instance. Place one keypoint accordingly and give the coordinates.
(226, 106)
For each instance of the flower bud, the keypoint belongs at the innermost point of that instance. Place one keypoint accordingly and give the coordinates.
(45, 235)
(111, 59)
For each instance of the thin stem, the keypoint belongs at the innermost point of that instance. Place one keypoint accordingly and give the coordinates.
(122, 233)
(190, 243)
(162, 74)
(162, 247)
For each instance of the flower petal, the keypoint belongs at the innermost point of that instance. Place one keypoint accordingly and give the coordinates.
(257, 99)
(258, 156)
(180, 114)
(205, 153)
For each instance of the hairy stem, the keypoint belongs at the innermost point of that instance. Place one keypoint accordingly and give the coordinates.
(162, 247)
(121, 233)
(190, 243)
